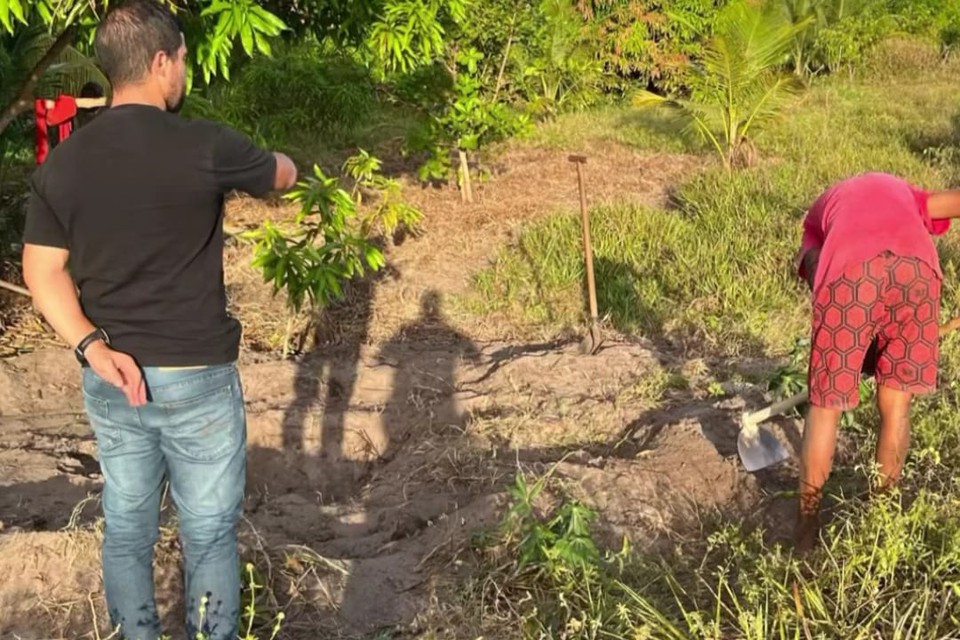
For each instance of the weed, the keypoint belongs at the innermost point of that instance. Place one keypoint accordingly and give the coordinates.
(887, 569)
(248, 615)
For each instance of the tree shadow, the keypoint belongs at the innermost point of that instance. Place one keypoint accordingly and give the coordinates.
(620, 302)
(52, 504)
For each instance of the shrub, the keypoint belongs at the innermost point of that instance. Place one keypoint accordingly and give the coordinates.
(303, 97)
(649, 43)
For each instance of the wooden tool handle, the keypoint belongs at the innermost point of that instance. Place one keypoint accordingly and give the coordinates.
(750, 419)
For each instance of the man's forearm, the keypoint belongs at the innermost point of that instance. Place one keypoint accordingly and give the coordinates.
(55, 297)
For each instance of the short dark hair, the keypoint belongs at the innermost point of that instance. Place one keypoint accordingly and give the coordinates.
(92, 89)
(130, 35)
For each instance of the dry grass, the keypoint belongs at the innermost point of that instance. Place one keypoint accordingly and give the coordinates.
(526, 183)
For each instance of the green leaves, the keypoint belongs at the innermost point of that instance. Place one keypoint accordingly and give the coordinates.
(470, 120)
(213, 27)
(228, 21)
(559, 61)
(559, 548)
(389, 213)
(411, 33)
(312, 262)
(331, 241)
(739, 86)
(11, 10)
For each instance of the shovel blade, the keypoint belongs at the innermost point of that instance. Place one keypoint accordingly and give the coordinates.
(758, 449)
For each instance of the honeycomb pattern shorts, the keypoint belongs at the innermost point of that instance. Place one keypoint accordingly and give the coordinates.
(889, 303)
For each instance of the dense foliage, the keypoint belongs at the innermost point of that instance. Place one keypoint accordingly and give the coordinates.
(440, 80)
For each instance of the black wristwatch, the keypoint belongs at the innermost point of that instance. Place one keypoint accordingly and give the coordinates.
(93, 336)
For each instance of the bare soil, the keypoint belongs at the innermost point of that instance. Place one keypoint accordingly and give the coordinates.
(376, 453)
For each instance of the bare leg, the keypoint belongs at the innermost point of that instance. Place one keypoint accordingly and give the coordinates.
(819, 444)
(894, 438)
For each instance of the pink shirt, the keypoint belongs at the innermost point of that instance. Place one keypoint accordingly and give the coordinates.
(861, 217)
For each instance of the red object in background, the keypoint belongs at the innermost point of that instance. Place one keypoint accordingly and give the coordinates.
(56, 119)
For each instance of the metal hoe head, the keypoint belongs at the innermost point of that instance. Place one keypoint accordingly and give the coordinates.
(758, 448)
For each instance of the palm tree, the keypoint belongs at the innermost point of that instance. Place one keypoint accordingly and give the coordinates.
(807, 55)
(738, 86)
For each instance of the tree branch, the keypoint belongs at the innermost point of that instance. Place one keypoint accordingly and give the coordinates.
(503, 63)
(24, 99)
(9, 286)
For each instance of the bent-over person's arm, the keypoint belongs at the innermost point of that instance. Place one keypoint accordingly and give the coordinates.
(944, 205)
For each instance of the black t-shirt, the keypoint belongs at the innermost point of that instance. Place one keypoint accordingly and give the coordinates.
(136, 196)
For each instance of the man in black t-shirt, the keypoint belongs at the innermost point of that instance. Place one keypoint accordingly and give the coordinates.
(129, 211)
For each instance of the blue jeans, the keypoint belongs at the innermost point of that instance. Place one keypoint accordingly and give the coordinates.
(192, 432)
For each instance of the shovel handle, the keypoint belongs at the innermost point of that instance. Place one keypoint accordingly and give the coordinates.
(752, 419)
(579, 161)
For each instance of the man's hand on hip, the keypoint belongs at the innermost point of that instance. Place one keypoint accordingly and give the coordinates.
(118, 369)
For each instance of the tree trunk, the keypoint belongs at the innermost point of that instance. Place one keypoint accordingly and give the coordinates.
(466, 190)
(503, 62)
(24, 98)
(9, 286)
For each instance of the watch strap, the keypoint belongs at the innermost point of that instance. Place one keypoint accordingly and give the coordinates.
(90, 338)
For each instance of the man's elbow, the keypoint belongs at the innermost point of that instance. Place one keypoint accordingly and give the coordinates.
(286, 176)
(42, 265)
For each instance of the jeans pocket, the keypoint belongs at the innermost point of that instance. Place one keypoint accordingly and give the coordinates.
(207, 426)
(109, 435)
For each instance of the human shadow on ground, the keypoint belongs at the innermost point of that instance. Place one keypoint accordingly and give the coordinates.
(355, 410)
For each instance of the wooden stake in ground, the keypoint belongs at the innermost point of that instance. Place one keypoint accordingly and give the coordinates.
(593, 341)
(466, 188)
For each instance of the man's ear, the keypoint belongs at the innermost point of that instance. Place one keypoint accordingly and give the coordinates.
(158, 62)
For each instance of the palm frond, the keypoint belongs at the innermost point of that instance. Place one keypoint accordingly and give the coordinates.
(69, 72)
(769, 100)
(739, 85)
(702, 119)
(748, 41)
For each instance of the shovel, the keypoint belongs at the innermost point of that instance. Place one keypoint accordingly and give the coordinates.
(592, 343)
(758, 448)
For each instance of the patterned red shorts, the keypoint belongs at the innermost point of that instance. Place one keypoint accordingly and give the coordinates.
(890, 301)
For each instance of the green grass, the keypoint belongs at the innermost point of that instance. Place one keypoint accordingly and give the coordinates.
(630, 127)
(718, 265)
(888, 567)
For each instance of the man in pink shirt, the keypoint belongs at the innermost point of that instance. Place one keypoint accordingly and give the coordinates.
(874, 273)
